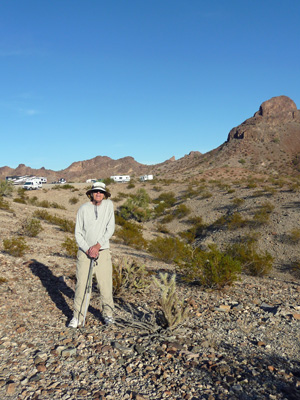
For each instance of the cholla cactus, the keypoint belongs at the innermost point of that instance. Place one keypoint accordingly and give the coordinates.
(174, 310)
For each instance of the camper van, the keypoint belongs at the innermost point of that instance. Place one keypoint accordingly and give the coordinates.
(32, 184)
(120, 178)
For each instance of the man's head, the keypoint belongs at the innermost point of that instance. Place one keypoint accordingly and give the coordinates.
(98, 190)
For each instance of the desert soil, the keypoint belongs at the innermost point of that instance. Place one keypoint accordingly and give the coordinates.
(239, 343)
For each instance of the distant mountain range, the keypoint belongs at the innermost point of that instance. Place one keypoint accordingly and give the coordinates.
(268, 142)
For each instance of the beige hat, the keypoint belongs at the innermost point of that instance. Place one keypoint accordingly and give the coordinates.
(98, 186)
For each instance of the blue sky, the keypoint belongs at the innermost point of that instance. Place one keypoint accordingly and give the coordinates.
(149, 79)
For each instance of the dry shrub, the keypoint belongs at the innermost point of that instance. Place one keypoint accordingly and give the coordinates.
(73, 200)
(65, 224)
(294, 236)
(16, 246)
(70, 246)
(4, 204)
(129, 277)
(31, 227)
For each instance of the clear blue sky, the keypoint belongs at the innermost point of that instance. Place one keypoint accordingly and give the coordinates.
(143, 78)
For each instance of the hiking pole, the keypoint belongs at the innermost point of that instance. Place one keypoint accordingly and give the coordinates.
(88, 289)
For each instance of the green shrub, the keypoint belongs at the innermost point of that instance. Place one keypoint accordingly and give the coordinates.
(231, 222)
(4, 204)
(212, 269)
(130, 234)
(262, 216)
(64, 224)
(107, 181)
(65, 186)
(237, 201)
(168, 218)
(162, 228)
(206, 195)
(167, 249)
(195, 231)
(73, 200)
(2, 280)
(252, 262)
(130, 185)
(31, 227)
(294, 236)
(129, 277)
(6, 188)
(136, 207)
(70, 246)
(16, 246)
(181, 211)
(19, 200)
(190, 193)
(174, 311)
(168, 198)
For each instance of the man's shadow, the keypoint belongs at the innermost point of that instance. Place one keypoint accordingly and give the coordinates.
(56, 288)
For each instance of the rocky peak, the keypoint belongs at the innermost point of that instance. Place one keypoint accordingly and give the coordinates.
(275, 117)
(277, 107)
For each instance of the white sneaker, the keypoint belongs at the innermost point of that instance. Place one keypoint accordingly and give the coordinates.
(74, 323)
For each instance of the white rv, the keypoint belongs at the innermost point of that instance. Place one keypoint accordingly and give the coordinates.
(32, 184)
(144, 178)
(120, 178)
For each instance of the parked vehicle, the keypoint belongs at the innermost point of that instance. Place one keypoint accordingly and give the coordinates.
(120, 178)
(32, 185)
(146, 178)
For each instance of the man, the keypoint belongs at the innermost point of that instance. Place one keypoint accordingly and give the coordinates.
(95, 224)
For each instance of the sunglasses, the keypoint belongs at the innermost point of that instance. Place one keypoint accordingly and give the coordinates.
(98, 191)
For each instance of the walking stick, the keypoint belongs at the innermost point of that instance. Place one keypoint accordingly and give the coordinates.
(88, 289)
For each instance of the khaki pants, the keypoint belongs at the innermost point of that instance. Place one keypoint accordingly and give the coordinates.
(103, 272)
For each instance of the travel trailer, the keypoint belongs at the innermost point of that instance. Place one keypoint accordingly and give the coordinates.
(120, 178)
(146, 178)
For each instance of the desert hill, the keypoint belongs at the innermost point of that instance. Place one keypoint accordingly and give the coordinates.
(267, 143)
(241, 342)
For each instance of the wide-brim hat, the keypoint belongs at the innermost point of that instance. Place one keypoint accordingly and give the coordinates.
(98, 186)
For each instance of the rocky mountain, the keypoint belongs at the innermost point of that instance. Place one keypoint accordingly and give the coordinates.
(267, 143)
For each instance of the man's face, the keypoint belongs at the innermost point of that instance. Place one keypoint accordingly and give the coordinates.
(98, 196)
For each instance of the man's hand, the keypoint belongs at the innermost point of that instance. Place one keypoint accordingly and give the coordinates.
(93, 251)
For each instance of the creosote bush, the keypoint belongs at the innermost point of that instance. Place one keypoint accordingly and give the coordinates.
(31, 227)
(130, 233)
(252, 262)
(70, 246)
(212, 268)
(181, 211)
(73, 200)
(174, 310)
(294, 236)
(129, 277)
(167, 249)
(4, 204)
(16, 246)
(6, 188)
(64, 224)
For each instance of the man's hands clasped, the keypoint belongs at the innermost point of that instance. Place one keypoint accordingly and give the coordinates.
(93, 251)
